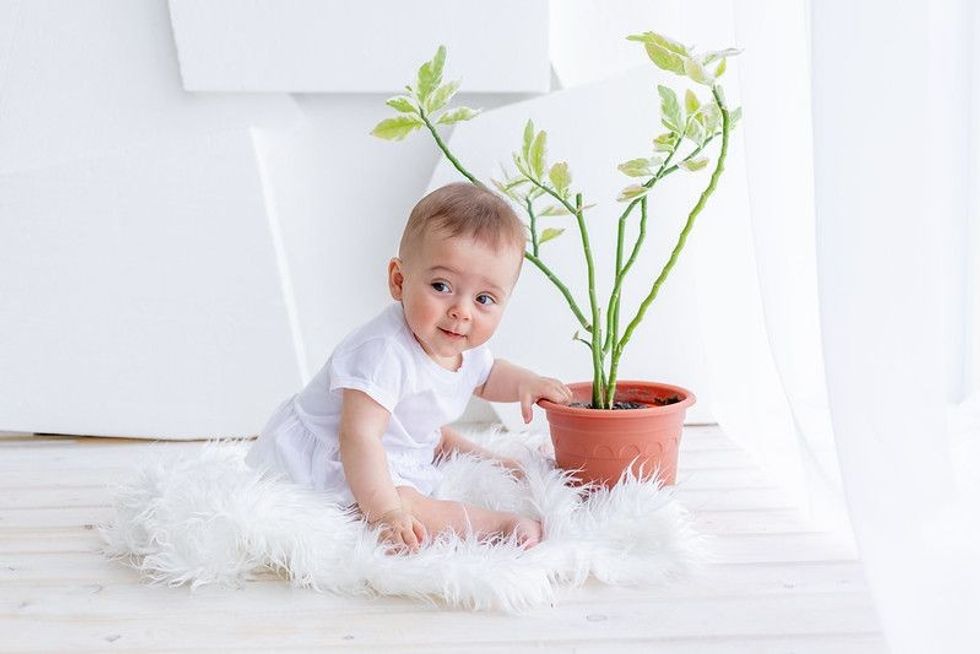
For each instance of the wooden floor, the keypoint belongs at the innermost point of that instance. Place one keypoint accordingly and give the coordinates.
(778, 586)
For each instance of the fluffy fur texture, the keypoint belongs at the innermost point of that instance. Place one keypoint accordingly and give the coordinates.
(210, 519)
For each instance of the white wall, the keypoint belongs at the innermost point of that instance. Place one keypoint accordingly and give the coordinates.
(212, 247)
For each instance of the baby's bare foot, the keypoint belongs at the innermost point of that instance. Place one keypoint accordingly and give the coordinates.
(527, 531)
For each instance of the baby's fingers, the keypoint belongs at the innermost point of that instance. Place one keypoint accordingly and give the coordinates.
(409, 538)
(526, 408)
(419, 530)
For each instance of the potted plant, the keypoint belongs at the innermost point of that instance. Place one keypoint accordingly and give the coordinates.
(613, 424)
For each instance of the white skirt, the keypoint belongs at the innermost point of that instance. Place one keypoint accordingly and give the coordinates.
(286, 447)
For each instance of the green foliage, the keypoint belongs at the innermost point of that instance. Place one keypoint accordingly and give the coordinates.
(456, 115)
(397, 128)
(694, 164)
(430, 75)
(691, 102)
(545, 191)
(441, 97)
(632, 192)
(549, 234)
(676, 58)
(670, 111)
(640, 167)
(421, 104)
(560, 178)
(402, 104)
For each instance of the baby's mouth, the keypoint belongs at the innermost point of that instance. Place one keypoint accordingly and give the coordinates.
(451, 334)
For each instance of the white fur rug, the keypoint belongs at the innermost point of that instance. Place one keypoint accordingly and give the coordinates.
(210, 519)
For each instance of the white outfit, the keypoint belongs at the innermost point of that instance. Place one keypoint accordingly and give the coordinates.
(384, 360)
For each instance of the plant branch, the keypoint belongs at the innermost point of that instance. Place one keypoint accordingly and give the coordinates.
(445, 150)
(534, 231)
(682, 239)
(612, 312)
(561, 287)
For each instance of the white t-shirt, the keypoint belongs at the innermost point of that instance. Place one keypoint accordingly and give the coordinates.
(384, 360)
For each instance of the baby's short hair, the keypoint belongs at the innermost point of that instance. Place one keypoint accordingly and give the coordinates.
(465, 209)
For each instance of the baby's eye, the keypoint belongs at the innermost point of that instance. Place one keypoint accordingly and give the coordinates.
(485, 299)
(440, 286)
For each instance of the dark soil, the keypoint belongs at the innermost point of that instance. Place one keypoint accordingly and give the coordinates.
(657, 401)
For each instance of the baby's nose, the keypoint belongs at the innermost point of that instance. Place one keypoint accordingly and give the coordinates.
(459, 312)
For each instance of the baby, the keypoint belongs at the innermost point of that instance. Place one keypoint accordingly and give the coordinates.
(371, 423)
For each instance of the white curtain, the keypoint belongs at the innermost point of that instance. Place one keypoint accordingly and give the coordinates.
(866, 247)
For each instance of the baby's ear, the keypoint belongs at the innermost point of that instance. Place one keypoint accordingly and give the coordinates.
(395, 278)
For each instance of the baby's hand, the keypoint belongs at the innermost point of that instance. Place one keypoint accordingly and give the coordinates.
(401, 530)
(536, 388)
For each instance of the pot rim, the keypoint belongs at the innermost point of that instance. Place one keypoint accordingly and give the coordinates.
(563, 409)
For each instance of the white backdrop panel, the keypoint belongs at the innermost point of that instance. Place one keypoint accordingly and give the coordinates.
(335, 45)
(588, 37)
(620, 118)
(141, 294)
(88, 77)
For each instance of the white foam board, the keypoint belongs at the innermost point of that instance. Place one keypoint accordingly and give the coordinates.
(339, 46)
(80, 78)
(588, 37)
(142, 294)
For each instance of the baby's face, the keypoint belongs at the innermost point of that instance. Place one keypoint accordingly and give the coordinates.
(454, 291)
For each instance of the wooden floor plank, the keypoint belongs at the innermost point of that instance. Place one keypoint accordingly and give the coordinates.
(775, 583)
(288, 617)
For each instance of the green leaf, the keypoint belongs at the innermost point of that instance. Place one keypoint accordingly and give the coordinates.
(402, 104)
(670, 110)
(720, 68)
(708, 57)
(397, 128)
(550, 233)
(691, 102)
(712, 117)
(456, 115)
(538, 153)
(554, 210)
(528, 139)
(507, 188)
(535, 193)
(442, 95)
(521, 165)
(664, 142)
(632, 192)
(694, 164)
(695, 131)
(561, 179)
(636, 168)
(735, 115)
(430, 74)
(695, 70)
(664, 52)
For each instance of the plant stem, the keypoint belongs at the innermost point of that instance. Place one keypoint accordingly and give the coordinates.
(612, 313)
(445, 150)
(614, 323)
(598, 388)
(534, 230)
(682, 239)
(561, 287)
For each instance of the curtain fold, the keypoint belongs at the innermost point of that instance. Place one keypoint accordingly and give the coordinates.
(891, 122)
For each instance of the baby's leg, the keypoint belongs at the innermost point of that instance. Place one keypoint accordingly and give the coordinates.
(439, 515)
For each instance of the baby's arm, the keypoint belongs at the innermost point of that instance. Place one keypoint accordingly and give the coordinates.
(362, 423)
(510, 383)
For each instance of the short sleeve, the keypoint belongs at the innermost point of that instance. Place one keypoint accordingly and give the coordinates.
(375, 367)
(483, 364)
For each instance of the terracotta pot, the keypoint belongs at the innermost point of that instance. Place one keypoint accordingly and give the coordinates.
(603, 443)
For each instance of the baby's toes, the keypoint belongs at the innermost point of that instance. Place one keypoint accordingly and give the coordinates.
(529, 532)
